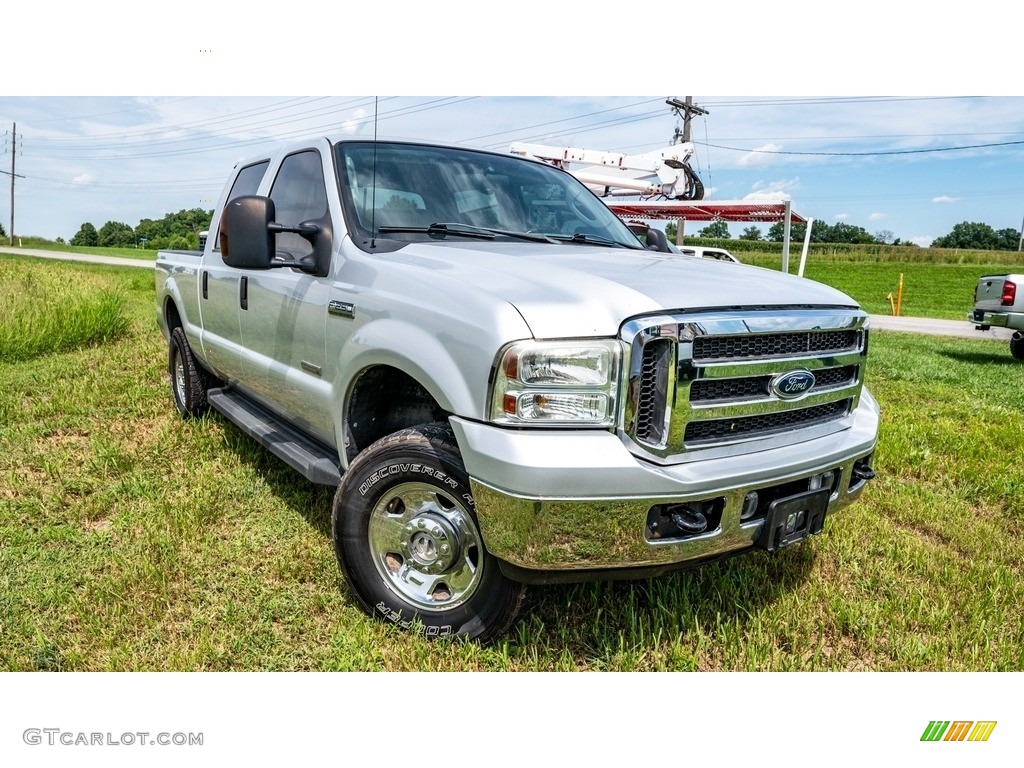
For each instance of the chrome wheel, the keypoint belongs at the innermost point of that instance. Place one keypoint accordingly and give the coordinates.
(426, 546)
(179, 377)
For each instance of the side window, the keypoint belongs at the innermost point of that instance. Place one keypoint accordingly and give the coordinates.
(247, 182)
(299, 195)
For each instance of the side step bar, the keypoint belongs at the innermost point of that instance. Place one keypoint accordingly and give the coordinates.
(316, 462)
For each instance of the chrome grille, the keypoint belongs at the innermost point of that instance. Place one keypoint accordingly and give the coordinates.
(702, 384)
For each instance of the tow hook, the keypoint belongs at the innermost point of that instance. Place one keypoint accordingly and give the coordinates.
(689, 520)
(863, 473)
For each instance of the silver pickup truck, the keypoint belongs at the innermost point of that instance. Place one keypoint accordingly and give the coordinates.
(999, 301)
(505, 386)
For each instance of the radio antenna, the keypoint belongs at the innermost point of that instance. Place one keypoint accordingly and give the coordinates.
(373, 189)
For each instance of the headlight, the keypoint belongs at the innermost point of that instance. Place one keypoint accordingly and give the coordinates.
(556, 383)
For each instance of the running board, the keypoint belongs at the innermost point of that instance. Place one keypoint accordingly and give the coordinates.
(315, 461)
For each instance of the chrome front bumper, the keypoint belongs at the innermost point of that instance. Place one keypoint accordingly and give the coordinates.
(578, 501)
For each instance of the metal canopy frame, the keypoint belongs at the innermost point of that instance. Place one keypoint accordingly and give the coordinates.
(710, 210)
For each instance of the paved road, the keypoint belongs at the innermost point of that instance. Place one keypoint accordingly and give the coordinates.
(113, 261)
(959, 328)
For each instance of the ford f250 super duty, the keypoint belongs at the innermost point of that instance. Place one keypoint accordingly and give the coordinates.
(505, 386)
(999, 301)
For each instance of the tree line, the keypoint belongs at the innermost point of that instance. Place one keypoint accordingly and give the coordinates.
(175, 231)
(967, 234)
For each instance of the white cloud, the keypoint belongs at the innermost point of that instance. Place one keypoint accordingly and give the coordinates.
(945, 199)
(841, 216)
(759, 156)
(779, 189)
(84, 178)
(353, 124)
(877, 216)
(922, 240)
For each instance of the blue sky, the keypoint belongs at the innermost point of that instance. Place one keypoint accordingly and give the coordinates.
(867, 160)
(170, 145)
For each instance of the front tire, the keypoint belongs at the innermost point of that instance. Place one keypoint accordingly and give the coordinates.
(189, 382)
(407, 541)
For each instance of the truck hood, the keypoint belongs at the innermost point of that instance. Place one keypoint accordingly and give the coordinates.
(578, 291)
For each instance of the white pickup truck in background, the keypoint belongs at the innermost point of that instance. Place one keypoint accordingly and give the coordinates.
(999, 302)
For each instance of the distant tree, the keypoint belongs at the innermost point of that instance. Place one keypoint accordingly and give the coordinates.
(86, 235)
(3, 232)
(1008, 239)
(717, 229)
(886, 236)
(751, 233)
(116, 234)
(975, 234)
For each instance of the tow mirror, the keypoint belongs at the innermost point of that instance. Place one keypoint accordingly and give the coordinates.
(247, 238)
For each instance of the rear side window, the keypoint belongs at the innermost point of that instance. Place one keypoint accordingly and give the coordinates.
(246, 183)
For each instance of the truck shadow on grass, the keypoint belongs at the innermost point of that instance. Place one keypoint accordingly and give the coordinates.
(1002, 357)
(708, 601)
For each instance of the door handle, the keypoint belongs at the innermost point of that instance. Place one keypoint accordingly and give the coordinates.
(243, 292)
(206, 284)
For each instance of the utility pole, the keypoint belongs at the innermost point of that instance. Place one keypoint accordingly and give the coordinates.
(686, 110)
(14, 154)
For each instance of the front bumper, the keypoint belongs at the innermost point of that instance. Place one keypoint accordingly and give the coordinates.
(985, 320)
(556, 505)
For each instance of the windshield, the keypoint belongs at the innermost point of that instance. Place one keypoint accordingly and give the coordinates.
(409, 192)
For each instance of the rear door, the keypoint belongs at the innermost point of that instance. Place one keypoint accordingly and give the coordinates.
(219, 289)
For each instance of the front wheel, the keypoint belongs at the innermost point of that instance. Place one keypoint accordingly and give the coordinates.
(1017, 345)
(408, 544)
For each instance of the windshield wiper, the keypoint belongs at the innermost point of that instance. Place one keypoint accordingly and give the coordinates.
(442, 230)
(457, 229)
(582, 237)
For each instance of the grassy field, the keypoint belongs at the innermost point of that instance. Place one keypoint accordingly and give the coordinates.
(131, 540)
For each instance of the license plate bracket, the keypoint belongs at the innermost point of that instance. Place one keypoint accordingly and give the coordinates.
(794, 518)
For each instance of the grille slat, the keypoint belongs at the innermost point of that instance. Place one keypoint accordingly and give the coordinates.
(769, 345)
(652, 397)
(756, 387)
(750, 426)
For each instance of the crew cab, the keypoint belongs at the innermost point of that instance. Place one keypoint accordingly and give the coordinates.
(505, 386)
(999, 301)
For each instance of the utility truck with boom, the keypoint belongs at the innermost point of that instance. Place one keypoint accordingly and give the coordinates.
(503, 384)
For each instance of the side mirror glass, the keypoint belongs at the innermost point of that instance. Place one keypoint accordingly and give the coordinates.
(246, 239)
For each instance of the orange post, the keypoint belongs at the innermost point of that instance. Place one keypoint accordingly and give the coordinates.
(899, 297)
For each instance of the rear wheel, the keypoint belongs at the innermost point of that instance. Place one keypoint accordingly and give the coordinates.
(189, 381)
(408, 544)
(1017, 345)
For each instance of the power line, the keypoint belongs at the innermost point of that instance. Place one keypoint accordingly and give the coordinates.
(868, 154)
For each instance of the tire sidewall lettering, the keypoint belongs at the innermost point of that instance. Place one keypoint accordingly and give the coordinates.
(401, 468)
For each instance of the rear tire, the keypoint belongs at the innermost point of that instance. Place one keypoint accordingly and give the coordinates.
(1017, 345)
(407, 540)
(189, 381)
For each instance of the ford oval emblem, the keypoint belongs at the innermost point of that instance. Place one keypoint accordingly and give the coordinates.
(792, 385)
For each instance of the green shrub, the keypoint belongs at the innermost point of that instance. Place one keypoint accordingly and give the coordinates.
(42, 312)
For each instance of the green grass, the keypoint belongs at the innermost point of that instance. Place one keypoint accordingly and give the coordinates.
(944, 291)
(41, 312)
(131, 540)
